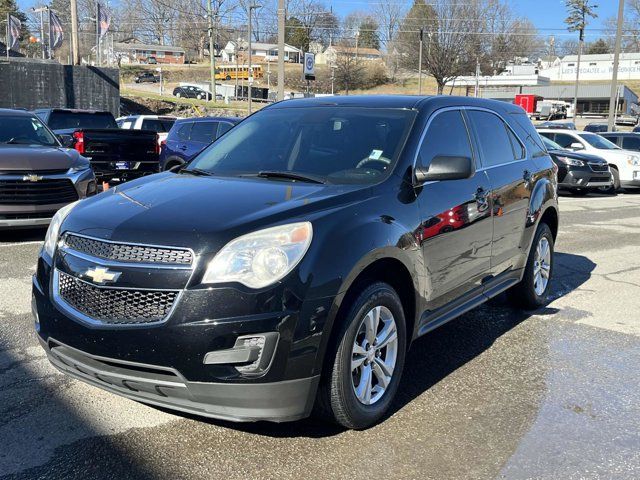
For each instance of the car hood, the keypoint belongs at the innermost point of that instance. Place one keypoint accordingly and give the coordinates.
(36, 158)
(578, 156)
(202, 212)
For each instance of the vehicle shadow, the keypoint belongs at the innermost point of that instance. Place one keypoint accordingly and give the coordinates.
(441, 352)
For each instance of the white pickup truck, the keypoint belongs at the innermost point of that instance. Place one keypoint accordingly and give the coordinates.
(161, 124)
(624, 164)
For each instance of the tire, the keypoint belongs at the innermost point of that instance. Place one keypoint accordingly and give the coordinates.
(615, 187)
(178, 95)
(228, 77)
(528, 294)
(338, 400)
(199, 97)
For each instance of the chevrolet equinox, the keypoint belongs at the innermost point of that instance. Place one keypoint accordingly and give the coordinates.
(288, 267)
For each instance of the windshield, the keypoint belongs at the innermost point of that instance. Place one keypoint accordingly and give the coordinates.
(598, 142)
(333, 144)
(550, 144)
(64, 120)
(25, 130)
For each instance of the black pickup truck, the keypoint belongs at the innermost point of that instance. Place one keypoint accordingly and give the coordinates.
(116, 155)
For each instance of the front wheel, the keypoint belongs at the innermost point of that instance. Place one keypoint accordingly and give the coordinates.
(533, 289)
(615, 185)
(367, 360)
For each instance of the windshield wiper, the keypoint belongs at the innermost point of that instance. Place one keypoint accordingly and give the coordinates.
(303, 177)
(197, 171)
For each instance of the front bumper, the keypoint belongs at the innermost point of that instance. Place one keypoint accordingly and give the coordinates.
(585, 178)
(166, 387)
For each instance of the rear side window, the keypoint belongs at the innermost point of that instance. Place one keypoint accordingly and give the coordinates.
(527, 133)
(518, 150)
(493, 137)
(157, 124)
(183, 131)
(223, 128)
(204, 132)
(447, 135)
(630, 143)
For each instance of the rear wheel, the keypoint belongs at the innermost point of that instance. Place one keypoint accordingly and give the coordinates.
(178, 94)
(533, 289)
(367, 361)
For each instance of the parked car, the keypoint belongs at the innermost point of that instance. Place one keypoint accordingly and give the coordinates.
(161, 124)
(146, 77)
(557, 125)
(597, 127)
(624, 164)
(190, 136)
(116, 154)
(152, 61)
(579, 173)
(627, 119)
(286, 265)
(626, 141)
(191, 92)
(551, 110)
(38, 176)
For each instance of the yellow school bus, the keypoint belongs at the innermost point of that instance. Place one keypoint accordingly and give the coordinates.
(241, 72)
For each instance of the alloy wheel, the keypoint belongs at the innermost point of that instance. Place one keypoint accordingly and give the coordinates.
(542, 266)
(374, 355)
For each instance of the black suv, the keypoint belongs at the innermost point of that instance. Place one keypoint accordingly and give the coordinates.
(191, 92)
(146, 77)
(293, 261)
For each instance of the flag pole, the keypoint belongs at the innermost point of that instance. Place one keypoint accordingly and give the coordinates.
(50, 43)
(8, 27)
(97, 33)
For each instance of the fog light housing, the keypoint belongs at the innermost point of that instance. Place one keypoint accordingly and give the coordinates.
(251, 355)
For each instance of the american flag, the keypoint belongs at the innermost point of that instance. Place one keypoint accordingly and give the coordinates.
(14, 32)
(56, 34)
(104, 20)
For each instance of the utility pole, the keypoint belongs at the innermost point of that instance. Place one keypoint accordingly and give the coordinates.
(74, 32)
(252, 6)
(477, 89)
(281, 26)
(613, 100)
(420, 63)
(212, 57)
(97, 33)
(575, 93)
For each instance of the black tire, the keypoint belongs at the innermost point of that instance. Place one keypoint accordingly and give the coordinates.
(228, 77)
(337, 399)
(524, 295)
(615, 187)
(178, 95)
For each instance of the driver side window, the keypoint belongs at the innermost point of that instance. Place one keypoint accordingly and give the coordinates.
(447, 135)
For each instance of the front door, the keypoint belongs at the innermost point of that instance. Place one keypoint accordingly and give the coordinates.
(456, 229)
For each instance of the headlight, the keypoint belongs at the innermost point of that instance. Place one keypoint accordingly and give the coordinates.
(633, 160)
(571, 161)
(54, 228)
(261, 258)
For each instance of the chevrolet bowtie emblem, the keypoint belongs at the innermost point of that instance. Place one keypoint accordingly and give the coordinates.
(101, 275)
(31, 178)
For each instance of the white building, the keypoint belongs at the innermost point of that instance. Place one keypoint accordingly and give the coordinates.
(267, 52)
(594, 67)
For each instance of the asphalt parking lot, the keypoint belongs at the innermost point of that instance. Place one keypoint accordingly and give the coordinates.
(494, 394)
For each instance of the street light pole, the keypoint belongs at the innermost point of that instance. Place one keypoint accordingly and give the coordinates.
(74, 32)
(212, 56)
(420, 63)
(252, 6)
(613, 100)
(281, 26)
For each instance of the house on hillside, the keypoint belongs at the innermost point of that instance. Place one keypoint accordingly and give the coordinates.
(332, 52)
(146, 53)
(260, 52)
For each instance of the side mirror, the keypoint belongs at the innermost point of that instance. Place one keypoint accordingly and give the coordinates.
(444, 167)
(576, 146)
(66, 140)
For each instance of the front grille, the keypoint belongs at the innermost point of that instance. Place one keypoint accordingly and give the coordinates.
(599, 179)
(599, 167)
(114, 305)
(47, 191)
(123, 252)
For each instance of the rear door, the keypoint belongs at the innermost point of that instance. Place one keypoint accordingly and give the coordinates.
(179, 144)
(456, 229)
(202, 134)
(511, 175)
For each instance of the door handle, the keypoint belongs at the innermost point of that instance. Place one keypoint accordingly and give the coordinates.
(183, 147)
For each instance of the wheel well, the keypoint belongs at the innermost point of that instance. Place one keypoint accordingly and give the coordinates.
(550, 217)
(172, 162)
(393, 272)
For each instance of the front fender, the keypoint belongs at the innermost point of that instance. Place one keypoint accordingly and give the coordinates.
(543, 196)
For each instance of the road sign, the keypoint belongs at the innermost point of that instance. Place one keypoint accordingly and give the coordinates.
(309, 66)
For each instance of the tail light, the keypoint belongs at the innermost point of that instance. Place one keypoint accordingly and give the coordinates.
(158, 144)
(78, 141)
